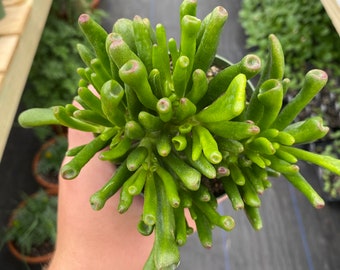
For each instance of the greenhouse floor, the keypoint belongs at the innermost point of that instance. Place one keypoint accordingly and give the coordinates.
(295, 236)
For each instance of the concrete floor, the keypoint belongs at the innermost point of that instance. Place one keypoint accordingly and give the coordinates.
(295, 236)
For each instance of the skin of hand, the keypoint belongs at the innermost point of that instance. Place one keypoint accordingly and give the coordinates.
(89, 239)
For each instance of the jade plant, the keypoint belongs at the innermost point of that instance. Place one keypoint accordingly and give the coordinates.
(176, 133)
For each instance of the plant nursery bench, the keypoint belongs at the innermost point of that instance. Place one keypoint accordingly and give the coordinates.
(332, 8)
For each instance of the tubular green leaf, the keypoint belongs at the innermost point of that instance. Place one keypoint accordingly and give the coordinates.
(37, 117)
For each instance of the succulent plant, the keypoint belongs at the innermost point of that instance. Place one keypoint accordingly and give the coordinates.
(169, 126)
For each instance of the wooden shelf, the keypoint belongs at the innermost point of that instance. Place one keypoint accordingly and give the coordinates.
(20, 32)
(332, 8)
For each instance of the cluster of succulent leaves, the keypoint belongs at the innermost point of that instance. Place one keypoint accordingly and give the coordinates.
(309, 39)
(167, 126)
(34, 223)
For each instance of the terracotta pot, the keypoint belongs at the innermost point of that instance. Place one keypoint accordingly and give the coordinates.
(43, 259)
(95, 4)
(59, 130)
(42, 181)
(32, 260)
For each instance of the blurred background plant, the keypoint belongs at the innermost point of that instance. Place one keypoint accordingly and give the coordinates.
(47, 162)
(32, 228)
(2, 10)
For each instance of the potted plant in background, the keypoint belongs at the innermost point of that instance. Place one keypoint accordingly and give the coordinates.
(169, 128)
(47, 162)
(31, 232)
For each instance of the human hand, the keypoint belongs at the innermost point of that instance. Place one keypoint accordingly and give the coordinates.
(89, 239)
